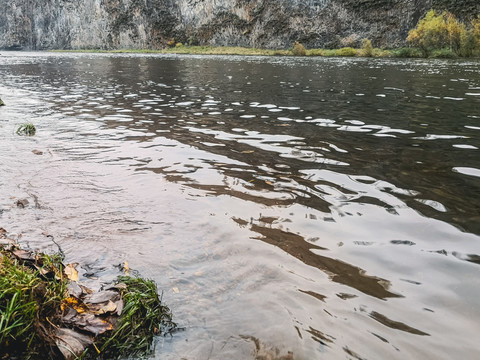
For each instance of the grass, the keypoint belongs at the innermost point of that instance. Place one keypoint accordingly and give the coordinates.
(26, 129)
(26, 302)
(143, 316)
(33, 290)
(295, 51)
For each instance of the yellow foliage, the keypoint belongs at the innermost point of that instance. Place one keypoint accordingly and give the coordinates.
(367, 48)
(298, 49)
(476, 29)
(73, 302)
(443, 31)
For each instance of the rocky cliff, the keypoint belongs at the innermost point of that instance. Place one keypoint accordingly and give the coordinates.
(110, 24)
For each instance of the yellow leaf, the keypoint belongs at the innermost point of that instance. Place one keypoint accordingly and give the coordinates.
(126, 268)
(74, 303)
(71, 272)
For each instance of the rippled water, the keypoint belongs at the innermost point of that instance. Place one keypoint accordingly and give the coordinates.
(288, 208)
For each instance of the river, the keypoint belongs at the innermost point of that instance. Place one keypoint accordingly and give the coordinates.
(288, 208)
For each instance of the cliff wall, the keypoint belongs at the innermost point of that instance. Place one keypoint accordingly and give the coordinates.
(111, 24)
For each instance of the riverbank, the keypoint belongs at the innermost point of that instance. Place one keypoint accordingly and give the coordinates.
(47, 313)
(406, 52)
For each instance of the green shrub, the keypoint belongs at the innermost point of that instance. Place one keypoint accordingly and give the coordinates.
(381, 53)
(445, 53)
(437, 31)
(315, 52)
(407, 53)
(346, 51)
(467, 44)
(298, 49)
(367, 48)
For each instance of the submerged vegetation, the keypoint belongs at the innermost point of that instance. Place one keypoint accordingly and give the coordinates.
(46, 314)
(26, 129)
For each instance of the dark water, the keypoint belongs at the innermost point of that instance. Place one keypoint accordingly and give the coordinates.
(288, 208)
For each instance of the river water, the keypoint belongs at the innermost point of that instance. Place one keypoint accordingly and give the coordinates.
(288, 208)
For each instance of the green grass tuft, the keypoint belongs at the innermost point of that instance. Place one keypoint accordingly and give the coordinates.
(26, 129)
(25, 302)
(143, 316)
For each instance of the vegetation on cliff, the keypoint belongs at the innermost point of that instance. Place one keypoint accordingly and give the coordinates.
(438, 34)
(443, 33)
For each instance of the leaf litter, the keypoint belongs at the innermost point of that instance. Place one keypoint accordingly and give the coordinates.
(67, 320)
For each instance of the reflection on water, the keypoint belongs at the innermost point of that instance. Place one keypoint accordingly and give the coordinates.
(360, 178)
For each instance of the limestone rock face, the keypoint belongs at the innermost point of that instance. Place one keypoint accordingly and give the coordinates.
(136, 24)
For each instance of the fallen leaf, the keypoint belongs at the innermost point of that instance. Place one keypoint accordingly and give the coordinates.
(175, 290)
(75, 290)
(73, 302)
(102, 297)
(126, 269)
(37, 152)
(268, 182)
(24, 255)
(109, 307)
(71, 272)
(94, 324)
(119, 304)
(71, 343)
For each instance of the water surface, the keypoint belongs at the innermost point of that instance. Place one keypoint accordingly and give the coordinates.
(288, 208)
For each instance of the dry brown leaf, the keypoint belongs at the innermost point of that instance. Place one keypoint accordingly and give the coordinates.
(24, 255)
(71, 272)
(71, 343)
(109, 307)
(102, 297)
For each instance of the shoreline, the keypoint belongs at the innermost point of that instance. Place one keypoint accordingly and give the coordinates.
(404, 52)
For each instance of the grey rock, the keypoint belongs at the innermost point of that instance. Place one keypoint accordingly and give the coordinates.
(113, 24)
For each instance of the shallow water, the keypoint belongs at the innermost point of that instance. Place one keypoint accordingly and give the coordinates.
(287, 208)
